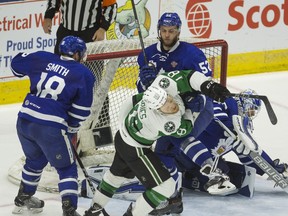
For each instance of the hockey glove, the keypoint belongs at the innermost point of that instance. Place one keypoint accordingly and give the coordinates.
(147, 75)
(215, 90)
(195, 104)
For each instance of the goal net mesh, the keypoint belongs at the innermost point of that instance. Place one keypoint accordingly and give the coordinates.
(114, 64)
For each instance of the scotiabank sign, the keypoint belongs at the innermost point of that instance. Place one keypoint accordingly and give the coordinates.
(257, 16)
(238, 14)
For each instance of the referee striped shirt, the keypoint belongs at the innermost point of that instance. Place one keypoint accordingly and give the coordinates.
(78, 15)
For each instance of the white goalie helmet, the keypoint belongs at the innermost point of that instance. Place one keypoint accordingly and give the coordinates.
(249, 107)
(155, 97)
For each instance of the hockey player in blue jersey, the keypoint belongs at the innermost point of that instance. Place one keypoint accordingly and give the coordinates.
(60, 97)
(169, 54)
(216, 138)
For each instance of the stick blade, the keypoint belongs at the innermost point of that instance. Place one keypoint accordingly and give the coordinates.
(268, 106)
(270, 111)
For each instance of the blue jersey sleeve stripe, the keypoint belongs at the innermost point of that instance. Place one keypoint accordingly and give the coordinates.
(217, 108)
(188, 147)
(220, 114)
(77, 116)
(203, 151)
(45, 117)
(16, 73)
(81, 107)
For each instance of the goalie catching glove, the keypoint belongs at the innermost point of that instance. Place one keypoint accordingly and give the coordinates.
(215, 90)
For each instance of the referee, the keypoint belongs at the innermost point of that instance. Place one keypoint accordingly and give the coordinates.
(87, 19)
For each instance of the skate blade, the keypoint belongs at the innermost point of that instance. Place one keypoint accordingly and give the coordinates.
(24, 211)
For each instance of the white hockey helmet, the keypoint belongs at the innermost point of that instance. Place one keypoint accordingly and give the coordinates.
(249, 107)
(155, 97)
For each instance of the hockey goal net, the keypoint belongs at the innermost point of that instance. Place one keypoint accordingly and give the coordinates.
(114, 64)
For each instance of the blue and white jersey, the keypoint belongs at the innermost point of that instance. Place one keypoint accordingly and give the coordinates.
(224, 112)
(183, 56)
(61, 89)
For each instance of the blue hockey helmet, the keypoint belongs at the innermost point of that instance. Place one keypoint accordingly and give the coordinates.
(249, 107)
(169, 19)
(71, 45)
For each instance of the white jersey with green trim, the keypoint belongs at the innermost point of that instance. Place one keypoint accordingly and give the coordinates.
(140, 126)
(179, 82)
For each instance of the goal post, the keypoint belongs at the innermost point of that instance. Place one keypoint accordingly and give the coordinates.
(114, 65)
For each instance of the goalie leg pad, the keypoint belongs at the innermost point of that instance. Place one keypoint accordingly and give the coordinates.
(243, 177)
(247, 187)
(129, 190)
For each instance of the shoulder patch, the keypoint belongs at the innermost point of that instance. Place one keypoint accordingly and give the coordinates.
(164, 83)
(169, 127)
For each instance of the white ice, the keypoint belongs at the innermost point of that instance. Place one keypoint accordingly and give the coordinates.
(267, 200)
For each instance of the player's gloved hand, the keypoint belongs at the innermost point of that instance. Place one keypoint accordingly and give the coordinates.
(147, 75)
(215, 90)
(240, 148)
(195, 104)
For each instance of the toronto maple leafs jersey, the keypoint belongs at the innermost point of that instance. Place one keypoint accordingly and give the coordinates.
(140, 126)
(182, 56)
(214, 132)
(61, 89)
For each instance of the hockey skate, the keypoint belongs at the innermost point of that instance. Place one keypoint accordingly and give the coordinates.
(25, 202)
(219, 183)
(96, 210)
(68, 209)
(173, 206)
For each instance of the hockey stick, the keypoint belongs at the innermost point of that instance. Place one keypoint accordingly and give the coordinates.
(223, 151)
(139, 31)
(269, 170)
(260, 161)
(87, 177)
(269, 109)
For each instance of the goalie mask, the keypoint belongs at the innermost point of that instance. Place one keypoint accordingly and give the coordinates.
(155, 97)
(249, 107)
(71, 45)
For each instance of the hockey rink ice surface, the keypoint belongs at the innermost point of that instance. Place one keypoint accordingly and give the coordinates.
(267, 201)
